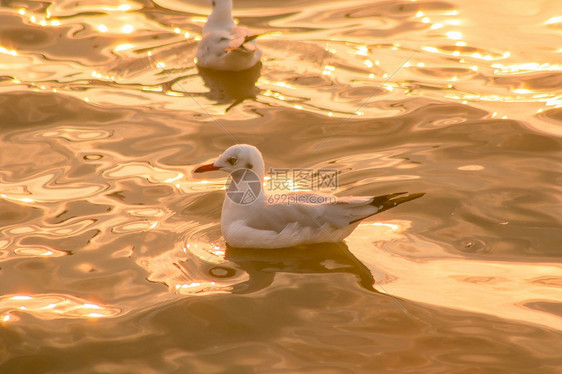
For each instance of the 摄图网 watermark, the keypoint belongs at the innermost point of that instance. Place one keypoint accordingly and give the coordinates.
(244, 186)
(302, 179)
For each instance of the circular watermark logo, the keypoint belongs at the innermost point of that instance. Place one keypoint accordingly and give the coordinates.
(243, 186)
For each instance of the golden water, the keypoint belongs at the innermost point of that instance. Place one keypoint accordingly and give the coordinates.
(111, 257)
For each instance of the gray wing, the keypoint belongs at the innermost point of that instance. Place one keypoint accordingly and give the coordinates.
(337, 214)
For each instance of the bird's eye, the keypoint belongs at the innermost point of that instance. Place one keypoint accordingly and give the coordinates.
(232, 160)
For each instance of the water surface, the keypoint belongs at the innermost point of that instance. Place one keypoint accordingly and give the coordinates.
(111, 256)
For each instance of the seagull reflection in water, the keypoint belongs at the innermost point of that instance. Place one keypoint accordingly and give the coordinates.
(263, 264)
(228, 87)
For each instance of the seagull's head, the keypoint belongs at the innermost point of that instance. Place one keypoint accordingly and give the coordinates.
(239, 156)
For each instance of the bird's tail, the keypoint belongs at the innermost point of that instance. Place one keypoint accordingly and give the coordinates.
(238, 44)
(386, 202)
(249, 38)
(389, 201)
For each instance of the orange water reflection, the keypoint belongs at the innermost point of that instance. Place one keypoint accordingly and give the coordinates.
(105, 115)
(352, 64)
(50, 306)
(499, 288)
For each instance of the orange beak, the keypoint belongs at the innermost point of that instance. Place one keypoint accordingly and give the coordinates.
(204, 168)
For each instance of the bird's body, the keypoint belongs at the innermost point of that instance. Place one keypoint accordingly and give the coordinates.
(303, 218)
(225, 45)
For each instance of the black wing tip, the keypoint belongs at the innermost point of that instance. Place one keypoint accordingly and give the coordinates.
(391, 200)
(416, 195)
(386, 202)
(249, 38)
(403, 199)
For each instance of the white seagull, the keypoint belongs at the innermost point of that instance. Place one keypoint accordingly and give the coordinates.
(249, 220)
(225, 45)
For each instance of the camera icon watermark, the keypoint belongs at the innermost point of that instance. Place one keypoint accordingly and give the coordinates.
(244, 186)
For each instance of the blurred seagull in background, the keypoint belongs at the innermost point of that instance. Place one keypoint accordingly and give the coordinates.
(252, 220)
(225, 45)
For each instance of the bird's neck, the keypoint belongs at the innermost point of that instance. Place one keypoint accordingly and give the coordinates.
(221, 14)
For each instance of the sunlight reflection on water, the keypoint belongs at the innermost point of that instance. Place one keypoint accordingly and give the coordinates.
(106, 234)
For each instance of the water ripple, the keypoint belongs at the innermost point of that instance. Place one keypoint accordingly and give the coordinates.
(111, 256)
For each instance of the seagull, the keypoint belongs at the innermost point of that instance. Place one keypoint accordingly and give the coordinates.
(225, 45)
(251, 219)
